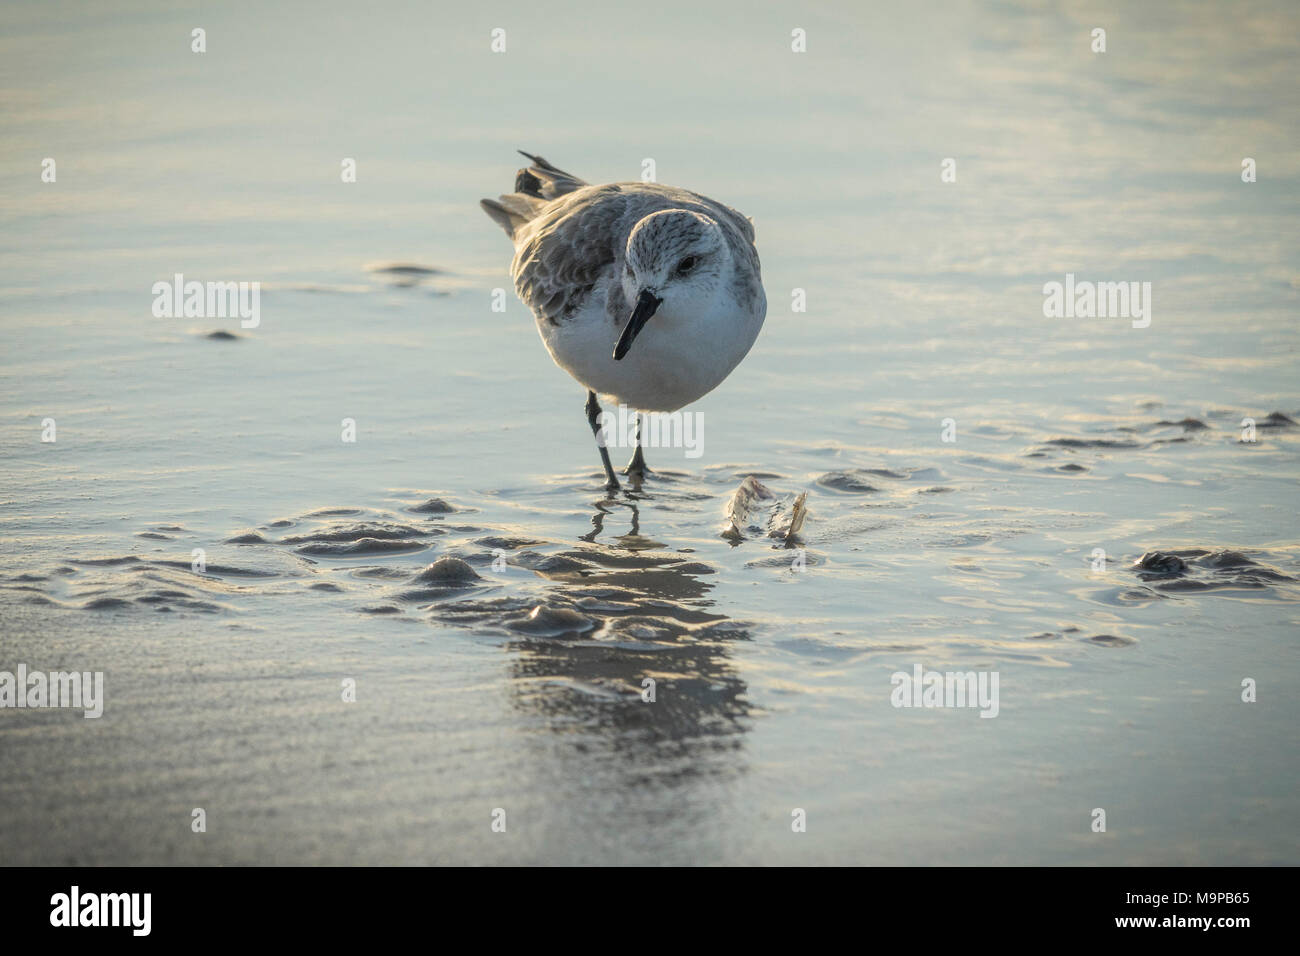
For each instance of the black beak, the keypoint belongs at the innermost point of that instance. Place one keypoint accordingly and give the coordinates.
(646, 304)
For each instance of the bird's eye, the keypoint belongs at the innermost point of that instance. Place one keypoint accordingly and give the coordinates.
(686, 265)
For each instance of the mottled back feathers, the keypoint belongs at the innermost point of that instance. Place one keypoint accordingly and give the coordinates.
(571, 238)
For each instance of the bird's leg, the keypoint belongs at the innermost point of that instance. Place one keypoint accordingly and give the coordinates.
(636, 468)
(593, 419)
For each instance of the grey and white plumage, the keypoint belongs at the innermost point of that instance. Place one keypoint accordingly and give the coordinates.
(646, 293)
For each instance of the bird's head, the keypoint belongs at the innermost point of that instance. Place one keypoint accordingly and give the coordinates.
(675, 263)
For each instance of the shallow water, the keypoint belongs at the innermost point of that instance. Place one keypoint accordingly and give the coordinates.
(514, 681)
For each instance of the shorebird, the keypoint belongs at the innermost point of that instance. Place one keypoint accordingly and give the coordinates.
(648, 295)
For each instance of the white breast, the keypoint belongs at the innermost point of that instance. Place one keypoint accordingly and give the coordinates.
(674, 361)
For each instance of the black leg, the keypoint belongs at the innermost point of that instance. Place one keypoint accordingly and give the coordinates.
(593, 419)
(636, 468)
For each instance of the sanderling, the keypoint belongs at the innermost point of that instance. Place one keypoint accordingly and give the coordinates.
(596, 263)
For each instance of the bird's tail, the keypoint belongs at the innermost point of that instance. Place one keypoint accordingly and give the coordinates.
(534, 187)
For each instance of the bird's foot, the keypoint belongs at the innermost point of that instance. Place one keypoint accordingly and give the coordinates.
(637, 469)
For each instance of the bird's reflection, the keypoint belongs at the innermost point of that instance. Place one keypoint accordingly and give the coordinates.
(633, 539)
(618, 648)
(653, 633)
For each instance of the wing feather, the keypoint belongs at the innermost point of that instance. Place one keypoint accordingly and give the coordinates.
(575, 245)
